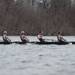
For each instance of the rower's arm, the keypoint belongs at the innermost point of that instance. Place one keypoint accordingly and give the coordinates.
(24, 37)
(6, 38)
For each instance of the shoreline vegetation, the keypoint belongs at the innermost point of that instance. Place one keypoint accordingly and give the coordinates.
(17, 16)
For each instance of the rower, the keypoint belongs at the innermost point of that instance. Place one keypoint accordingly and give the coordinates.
(23, 37)
(40, 37)
(60, 37)
(5, 37)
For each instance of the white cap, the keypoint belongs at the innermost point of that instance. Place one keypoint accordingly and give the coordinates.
(5, 32)
(22, 32)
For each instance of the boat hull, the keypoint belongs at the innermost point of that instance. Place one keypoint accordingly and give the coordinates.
(18, 42)
(39, 43)
(5, 42)
(57, 43)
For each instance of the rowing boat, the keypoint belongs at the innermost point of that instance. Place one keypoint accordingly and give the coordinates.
(5, 42)
(19, 42)
(39, 43)
(73, 42)
(46, 43)
(16, 42)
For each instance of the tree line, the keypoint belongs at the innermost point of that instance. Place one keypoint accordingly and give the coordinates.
(15, 17)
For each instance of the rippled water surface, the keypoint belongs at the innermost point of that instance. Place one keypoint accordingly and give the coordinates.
(32, 59)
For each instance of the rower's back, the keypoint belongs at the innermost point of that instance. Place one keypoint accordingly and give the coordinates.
(60, 37)
(23, 37)
(40, 37)
(5, 38)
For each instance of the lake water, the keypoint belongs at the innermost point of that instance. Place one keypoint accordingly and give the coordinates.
(32, 59)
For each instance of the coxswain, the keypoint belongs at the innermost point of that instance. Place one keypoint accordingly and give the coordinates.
(40, 37)
(60, 37)
(23, 37)
(5, 37)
